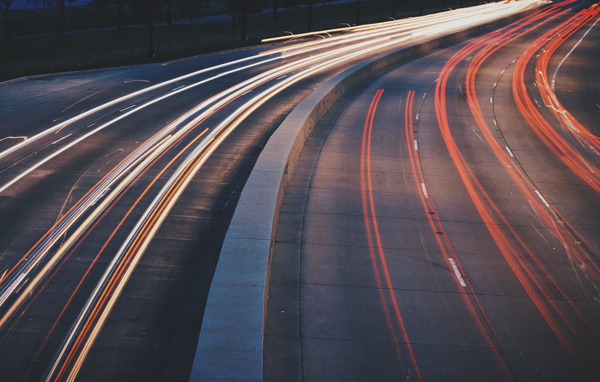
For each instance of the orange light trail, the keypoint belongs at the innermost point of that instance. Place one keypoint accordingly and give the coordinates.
(112, 234)
(436, 17)
(370, 218)
(366, 217)
(122, 266)
(568, 155)
(142, 236)
(489, 212)
(43, 246)
(519, 178)
(566, 119)
(47, 241)
(446, 248)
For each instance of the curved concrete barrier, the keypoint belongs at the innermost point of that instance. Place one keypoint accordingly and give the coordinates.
(231, 338)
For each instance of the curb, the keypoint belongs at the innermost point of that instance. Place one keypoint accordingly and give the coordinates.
(60, 74)
(149, 65)
(219, 52)
(231, 338)
(133, 67)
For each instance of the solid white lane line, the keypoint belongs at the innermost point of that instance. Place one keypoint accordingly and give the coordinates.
(457, 273)
(127, 108)
(60, 139)
(100, 197)
(542, 198)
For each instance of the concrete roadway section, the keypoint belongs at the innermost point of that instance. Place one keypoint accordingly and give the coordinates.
(353, 215)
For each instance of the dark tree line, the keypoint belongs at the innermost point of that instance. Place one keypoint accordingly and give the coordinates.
(58, 4)
(241, 8)
(146, 11)
(141, 10)
(5, 8)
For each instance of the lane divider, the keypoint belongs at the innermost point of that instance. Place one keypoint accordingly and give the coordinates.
(457, 272)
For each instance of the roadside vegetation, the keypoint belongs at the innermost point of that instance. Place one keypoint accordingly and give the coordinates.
(53, 48)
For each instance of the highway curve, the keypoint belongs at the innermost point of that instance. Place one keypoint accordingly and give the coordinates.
(443, 221)
(117, 188)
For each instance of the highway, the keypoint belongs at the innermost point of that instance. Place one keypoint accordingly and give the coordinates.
(117, 188)
(443, 221)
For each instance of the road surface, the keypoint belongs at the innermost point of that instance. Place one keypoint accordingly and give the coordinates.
(443, 221)
(117, 187)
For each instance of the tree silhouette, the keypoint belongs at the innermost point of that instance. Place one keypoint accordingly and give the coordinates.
(144, 11)
(120, 13)
(100, 6)
(243, 8)
(60, 8)
(5, 7)
(190, 7)
(36, 2)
